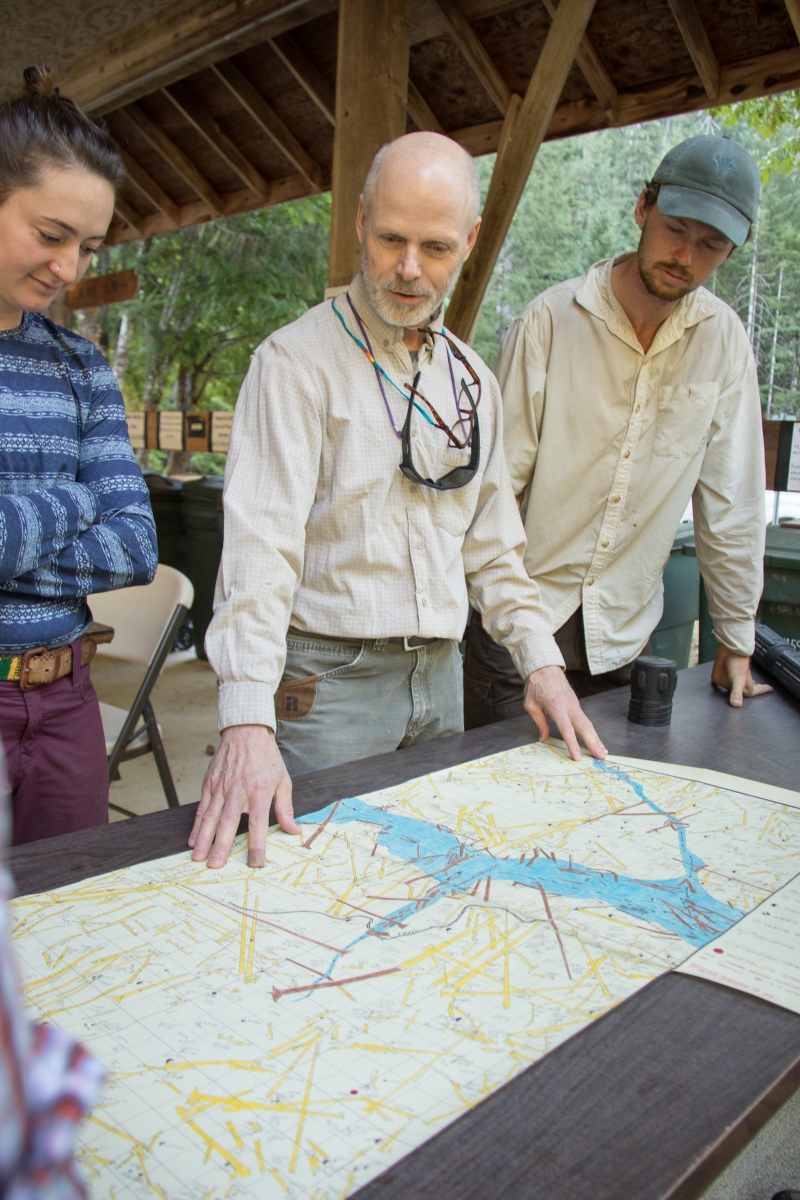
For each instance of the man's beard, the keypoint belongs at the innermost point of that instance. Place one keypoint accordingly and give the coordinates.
(401, 315)
(655, 284)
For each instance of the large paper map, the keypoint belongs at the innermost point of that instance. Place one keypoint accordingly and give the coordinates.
(289, 1033)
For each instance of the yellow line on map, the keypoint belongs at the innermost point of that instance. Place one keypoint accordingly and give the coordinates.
(259, 1155)
(272, 1171)
(238, 1167)
(243, 941)
(252, 947)
(304, 1112)
(594, 964)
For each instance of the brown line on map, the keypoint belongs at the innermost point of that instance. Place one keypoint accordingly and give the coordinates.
(310, 987)
(486, 893)
(263, 921)
(322, 826)
(555, 929)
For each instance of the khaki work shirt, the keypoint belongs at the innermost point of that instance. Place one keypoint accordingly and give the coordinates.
(606, 445)
(323, 531)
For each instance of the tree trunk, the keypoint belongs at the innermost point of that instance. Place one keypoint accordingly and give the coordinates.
(178, 461)
(122, 350)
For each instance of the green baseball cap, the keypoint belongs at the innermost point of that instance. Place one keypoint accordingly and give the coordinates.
(710, 179)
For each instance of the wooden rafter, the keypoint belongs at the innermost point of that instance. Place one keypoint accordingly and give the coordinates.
(269, 121)
(181, 39)
(694, 35)
(204, 123)
(371, 95)
(421, 112)
(473, 50)
(172, 154)
(149, 188)
(129, 214)
(513, 168)
(295, 59)
(793, 9)
(593, 71)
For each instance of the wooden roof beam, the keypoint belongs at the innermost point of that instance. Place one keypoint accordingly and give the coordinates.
(176, 42)
(513, 167)
(594, 72)
(204, 123)
(269, 121)
(172, 154)
(793, 9)
(295, 59)
(129, 215)
(473, 50)
(149, 188)
(421, 112)
(694, 35)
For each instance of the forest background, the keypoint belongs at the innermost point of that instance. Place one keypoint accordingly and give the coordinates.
(210, 294)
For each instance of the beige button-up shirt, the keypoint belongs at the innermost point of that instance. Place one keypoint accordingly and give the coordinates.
(323, 531)
(606, 445)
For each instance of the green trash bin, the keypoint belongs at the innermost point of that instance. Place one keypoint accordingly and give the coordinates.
(201, 507)
(165, 498)
(672, 637)
(780, 600)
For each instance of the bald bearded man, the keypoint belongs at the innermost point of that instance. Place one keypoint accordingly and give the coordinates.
(367, 504)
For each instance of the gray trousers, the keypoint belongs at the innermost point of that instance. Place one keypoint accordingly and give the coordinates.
(342, 699)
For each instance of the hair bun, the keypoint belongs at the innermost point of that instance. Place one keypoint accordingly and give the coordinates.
(39, 81)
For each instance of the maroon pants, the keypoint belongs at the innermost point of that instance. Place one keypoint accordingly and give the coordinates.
(55, 755)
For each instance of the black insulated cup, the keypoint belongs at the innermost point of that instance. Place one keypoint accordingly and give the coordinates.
(653, 683)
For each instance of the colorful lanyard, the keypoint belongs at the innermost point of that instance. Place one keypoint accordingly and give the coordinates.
(379, 371)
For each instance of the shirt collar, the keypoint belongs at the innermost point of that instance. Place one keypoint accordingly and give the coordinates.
(382, 335)
(595, 294)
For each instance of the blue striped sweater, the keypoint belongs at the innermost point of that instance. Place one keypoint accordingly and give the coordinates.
(75, 513)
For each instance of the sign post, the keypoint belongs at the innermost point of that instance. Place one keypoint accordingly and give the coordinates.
(103, 289)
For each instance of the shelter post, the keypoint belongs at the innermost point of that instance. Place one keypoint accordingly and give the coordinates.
(513, 167)
(371, 97)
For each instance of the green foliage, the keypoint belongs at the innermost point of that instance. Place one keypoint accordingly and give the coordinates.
(209, 295)
(776, 120)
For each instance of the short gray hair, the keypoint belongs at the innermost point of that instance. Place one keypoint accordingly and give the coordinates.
(473, 179)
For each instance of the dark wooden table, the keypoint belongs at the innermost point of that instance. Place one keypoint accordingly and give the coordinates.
(650, 1102)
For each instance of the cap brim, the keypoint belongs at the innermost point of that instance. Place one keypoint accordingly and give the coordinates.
(692, 204)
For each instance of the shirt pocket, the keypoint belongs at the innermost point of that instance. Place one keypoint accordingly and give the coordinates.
(684, 418)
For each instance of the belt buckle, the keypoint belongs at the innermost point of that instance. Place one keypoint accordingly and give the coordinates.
(406, 645)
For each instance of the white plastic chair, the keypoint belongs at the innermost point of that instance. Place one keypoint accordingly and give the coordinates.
(146, 621)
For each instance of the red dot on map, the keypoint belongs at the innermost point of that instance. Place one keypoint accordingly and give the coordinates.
(719, 951)
(353, 1092)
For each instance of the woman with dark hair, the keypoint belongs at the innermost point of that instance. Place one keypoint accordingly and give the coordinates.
(75, 516)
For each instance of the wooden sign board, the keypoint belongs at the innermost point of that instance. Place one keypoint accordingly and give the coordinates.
(782, 455)
(170, 430)
(197, 432)
(136, 430)
(103, 289)
(221, 423)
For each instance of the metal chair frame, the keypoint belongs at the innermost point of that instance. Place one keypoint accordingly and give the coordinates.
(142, 707)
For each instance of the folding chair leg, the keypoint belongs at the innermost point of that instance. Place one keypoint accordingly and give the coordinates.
(160, 756)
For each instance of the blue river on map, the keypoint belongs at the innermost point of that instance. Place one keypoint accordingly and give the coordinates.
(681, 906)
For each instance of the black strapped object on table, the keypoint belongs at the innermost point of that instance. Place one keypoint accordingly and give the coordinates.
(778, 658)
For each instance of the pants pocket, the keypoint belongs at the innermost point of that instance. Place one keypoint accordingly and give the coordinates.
(307, 665)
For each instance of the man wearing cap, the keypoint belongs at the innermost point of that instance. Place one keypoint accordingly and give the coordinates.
(626, 393)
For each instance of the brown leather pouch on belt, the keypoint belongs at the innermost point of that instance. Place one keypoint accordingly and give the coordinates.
(40, 666)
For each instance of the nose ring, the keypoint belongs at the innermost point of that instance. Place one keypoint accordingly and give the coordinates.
(58, 270)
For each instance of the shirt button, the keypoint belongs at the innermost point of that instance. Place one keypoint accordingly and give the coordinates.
(615, 499)
(423, 602)
(419, 545)
(604, 543)
(414, 487)
(638, 406)
(627, 454)
(589, 582)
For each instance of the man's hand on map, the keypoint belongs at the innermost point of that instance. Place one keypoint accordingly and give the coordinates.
(244, 775)
(547, 693)
(732, 672)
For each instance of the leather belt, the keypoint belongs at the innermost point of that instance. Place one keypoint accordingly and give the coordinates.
(411, 643)
(39, 665)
